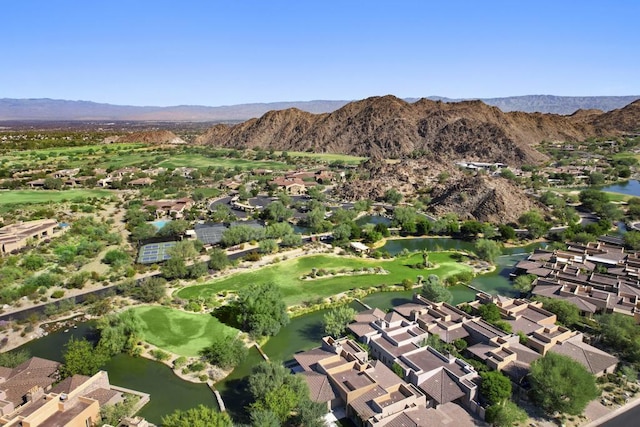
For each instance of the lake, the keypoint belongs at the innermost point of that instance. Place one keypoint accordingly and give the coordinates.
(631, 188)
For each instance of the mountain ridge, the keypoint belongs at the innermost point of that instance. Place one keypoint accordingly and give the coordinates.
(56, 109)
(387, 127)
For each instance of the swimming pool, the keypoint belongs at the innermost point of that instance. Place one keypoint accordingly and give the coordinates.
(160, 223)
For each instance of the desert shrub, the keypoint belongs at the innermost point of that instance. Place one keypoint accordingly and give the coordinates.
(57, 294)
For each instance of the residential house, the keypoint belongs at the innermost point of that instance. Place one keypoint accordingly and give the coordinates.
(65, 173)
(293, 186)
(29, 398)
(15, 236)
(597, 277)
(184, 172)
(543, 335)
(174, 208)
(340, 375)
(142, 182)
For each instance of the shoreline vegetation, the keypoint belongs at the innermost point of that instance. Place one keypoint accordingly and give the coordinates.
(16, 340)
(67, 321)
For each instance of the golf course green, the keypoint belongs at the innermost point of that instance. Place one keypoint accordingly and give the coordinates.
(287, 275)
(178, 331)
(48, 196)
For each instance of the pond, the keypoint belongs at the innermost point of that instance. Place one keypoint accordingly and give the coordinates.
(302, 333)
(300, 229)
(233, 389)
(395, 246)
(373, 219)
(496, 282)
(631, 188)
(168, 392)
(387, 300)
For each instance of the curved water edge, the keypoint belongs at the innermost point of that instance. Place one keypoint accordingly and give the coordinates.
(136, 373)
(302, 333)
(630, 188)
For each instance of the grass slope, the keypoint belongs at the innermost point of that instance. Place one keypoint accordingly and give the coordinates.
(180, 332)
(46, 196)
(198, 161)
(327, 157)
(287, 274)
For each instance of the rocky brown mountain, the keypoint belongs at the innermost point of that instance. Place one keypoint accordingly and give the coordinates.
(623, 120)
(392, 128)
(468, 195)
(429, 137)
(482, 198)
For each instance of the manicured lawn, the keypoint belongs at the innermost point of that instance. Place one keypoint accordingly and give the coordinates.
(287, 275)
(46, 196)
(613, 197)
(113, 155)
(327, 157)
(617, 197)
(180, 332)
(199, 161)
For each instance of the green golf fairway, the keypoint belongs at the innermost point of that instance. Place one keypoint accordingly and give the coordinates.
(287, 275)
(180, 332)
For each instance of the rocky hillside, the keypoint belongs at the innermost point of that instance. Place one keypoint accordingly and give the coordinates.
(479, 197)
(495, 200)
(625, 119)
(553, 104)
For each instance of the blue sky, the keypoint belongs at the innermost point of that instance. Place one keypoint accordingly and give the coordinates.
(175, 52)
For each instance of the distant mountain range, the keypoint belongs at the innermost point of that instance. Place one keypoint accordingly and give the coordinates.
(63, 110)
(391, 127)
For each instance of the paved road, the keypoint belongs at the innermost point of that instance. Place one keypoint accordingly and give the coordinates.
(630, 418)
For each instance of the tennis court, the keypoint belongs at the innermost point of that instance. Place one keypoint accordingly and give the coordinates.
(154, 252)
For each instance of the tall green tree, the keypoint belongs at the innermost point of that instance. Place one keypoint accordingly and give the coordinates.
(495, 387)
(218, 259)
(489, 312)
(264, 418)
(11, 359)
(225, 351)
(560, 384)
(632, 240)
(534, 222)
(119, 333)
(487, 250)
(277, 391)
(524, 283)
(621, 333)
(201, 416)
(567, 313)
(505, 414)
(277, 211)
(80, 357)
(433, 290)
(392, 196)
(335, 321)
(260, 309)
